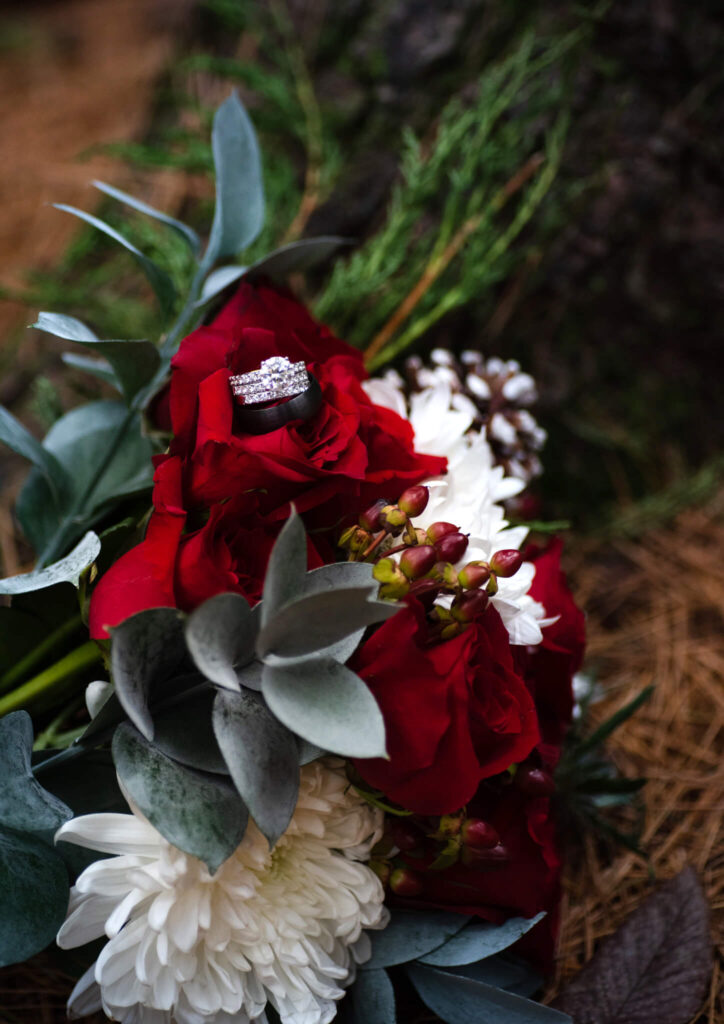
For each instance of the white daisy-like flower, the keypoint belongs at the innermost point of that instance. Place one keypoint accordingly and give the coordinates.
(284, 927)
(469, 494)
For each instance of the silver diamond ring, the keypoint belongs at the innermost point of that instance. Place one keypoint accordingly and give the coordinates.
(276, 378)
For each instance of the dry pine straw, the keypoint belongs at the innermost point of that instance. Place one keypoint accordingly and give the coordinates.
(654, 614)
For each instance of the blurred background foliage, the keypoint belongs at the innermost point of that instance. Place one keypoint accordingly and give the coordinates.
(538, 180)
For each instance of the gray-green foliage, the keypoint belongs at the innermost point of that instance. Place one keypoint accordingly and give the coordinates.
(462, 181)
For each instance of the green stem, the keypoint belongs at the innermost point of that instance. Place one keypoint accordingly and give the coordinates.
(53, 736)
(53, 681)
(39, 653)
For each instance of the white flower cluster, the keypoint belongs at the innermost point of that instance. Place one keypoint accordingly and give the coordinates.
(186, 947)
(470, 493)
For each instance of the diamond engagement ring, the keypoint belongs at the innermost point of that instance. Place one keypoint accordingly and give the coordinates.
(277, 378)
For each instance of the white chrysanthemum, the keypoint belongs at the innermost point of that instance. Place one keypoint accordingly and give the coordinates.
(470, 492)
(188, 947)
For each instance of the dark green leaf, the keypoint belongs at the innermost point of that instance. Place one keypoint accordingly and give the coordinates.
(601, 734)
(295, 257)
(239, 212)
(99, 368)
(147, 648)
(158, 278)
(479, 940)
(198, 813)
(81, 441)
(21, 441)
(371, 1000)
(34, 887)
(412, 934)
(24, 804)
(187, 233)
(317, 621)
(218, 280)
(326, 704)
(220, 635)
(461, 1000)
(262, 757)
(655, 967)
(504, 971)
(134, 362)
(287, 567)
(67, 570)
(87, 784)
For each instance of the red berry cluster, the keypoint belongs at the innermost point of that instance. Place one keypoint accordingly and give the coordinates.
(426, 567)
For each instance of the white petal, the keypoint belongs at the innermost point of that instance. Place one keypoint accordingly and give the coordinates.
(110, 833)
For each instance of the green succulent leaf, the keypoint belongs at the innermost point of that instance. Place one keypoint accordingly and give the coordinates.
(187, 233)
(318, 621)
(34, 884)
(480, 940)
(82, 442)
(239, 212)
(220, 635)
(21, 441)
(412, 934)
(67, 570)
(326, 704)
(371, 999)
(134, 362)
(201, 814)
(146, 649)
(287, 568)
(459, 1000)
(24, 804)
(158, 279)
(263, 759)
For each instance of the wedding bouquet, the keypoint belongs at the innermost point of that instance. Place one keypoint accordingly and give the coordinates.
(331, 724)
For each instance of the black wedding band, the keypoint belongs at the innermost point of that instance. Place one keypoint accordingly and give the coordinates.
(264, 421)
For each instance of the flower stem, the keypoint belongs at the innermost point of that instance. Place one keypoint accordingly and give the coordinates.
(52, 682)
(21, 669)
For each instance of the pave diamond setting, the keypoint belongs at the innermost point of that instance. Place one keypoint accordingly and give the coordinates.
(276, 378)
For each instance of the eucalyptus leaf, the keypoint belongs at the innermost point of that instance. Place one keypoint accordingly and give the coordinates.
(319, 620)
(67, 570)
(158, 279)
(82, 442)
(99, 368)
(187, 233)
(185, 733)
(146, 649)
(34, 886)
(21, 441)
(239, 211)
(218, 280)
(410, 935)
(309, 752)
(199, 813)
(134, 362)
(459, 1000)
(295, 257)
(504, 971)
(24, 804)
(371, 1000)
(326, 704)
(479, 940)
(262, 757)
(286, 569)
(220, 635)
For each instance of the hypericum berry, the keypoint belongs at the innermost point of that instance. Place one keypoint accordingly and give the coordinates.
(439, 530)
(381, 868)
(479, 834)
(370, 519)
(404, 837)
(474, 575)
(404, 882)
(506, 563)
(451, 547)
(386, 570)
(393, 519)
(496, 855)
(449, 825)
(414, 500)
(469, 605)
(417, 562)
(534, 781)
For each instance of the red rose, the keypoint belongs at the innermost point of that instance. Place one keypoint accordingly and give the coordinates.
(231, 490)
(456, 712)
(548, 669)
